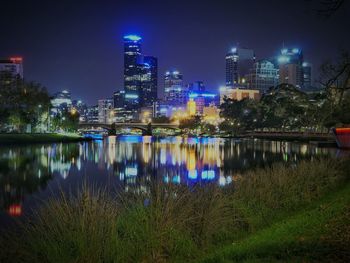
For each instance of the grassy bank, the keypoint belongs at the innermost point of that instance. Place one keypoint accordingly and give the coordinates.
(283, 213)
(27, 138)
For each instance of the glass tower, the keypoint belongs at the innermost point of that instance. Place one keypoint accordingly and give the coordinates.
(132, 59)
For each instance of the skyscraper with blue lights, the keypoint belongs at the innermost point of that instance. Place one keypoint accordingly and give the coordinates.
(174, 92)
(140, 75)
(132, 58)
(291, 67)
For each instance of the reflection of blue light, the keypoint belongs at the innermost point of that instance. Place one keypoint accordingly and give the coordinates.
(192, 140)
(192, 174)
(132, 37)
(211, 174)
(93, 136)
(166, 179)
(208, 175)
(130, 138)
(130, 171)
(176, 179)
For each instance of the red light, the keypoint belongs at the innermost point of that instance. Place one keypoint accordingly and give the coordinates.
(16, 59)
(342, 131)
(15, 210)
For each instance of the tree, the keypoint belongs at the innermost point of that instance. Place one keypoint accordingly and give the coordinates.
(66, 121)
(335, 78)
(22, 103)
(192, 123)
(239, 115)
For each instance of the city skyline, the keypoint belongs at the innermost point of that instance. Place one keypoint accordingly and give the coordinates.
(87, 58)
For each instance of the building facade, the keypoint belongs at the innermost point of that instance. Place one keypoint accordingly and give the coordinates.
(238, 63)
(262, 76)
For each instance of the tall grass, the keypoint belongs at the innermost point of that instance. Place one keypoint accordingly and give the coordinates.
(167, 223)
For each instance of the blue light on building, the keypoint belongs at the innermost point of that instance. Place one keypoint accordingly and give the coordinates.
(132, 37)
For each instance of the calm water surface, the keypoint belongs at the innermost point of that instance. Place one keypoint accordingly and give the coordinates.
(29, 174)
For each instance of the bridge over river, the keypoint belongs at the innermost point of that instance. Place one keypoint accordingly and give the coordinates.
(146, 128)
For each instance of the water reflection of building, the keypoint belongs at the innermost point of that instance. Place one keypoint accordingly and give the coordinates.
(26, 170)
(135, 161)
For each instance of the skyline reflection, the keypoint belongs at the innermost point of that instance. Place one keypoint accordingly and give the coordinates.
(132, 162)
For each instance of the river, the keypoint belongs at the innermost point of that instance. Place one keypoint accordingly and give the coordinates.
(31, 173)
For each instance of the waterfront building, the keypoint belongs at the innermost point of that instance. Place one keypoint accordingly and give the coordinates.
(238, 94)
(291, 67)
(174, 92)
(262, 76)
(10, 70)
(238, 63)
(105, 111)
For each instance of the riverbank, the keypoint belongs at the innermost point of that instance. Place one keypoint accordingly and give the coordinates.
(29, 138)
(282, 213)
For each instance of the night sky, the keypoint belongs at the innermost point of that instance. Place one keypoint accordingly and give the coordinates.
(77, 45)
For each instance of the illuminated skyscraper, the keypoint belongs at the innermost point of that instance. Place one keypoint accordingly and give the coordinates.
(291, 67)
(238, 63)
(140, 75)
(10, 70)
(132, 58)
(173, 88)
(152, 92)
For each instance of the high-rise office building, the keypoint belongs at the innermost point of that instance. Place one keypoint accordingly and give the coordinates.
(238, 63)
(307, 75)
(10, 70)
(140, 75)
(262, 76)
(174, 92)
(132, 60)
(152, 64)
(291, 67)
